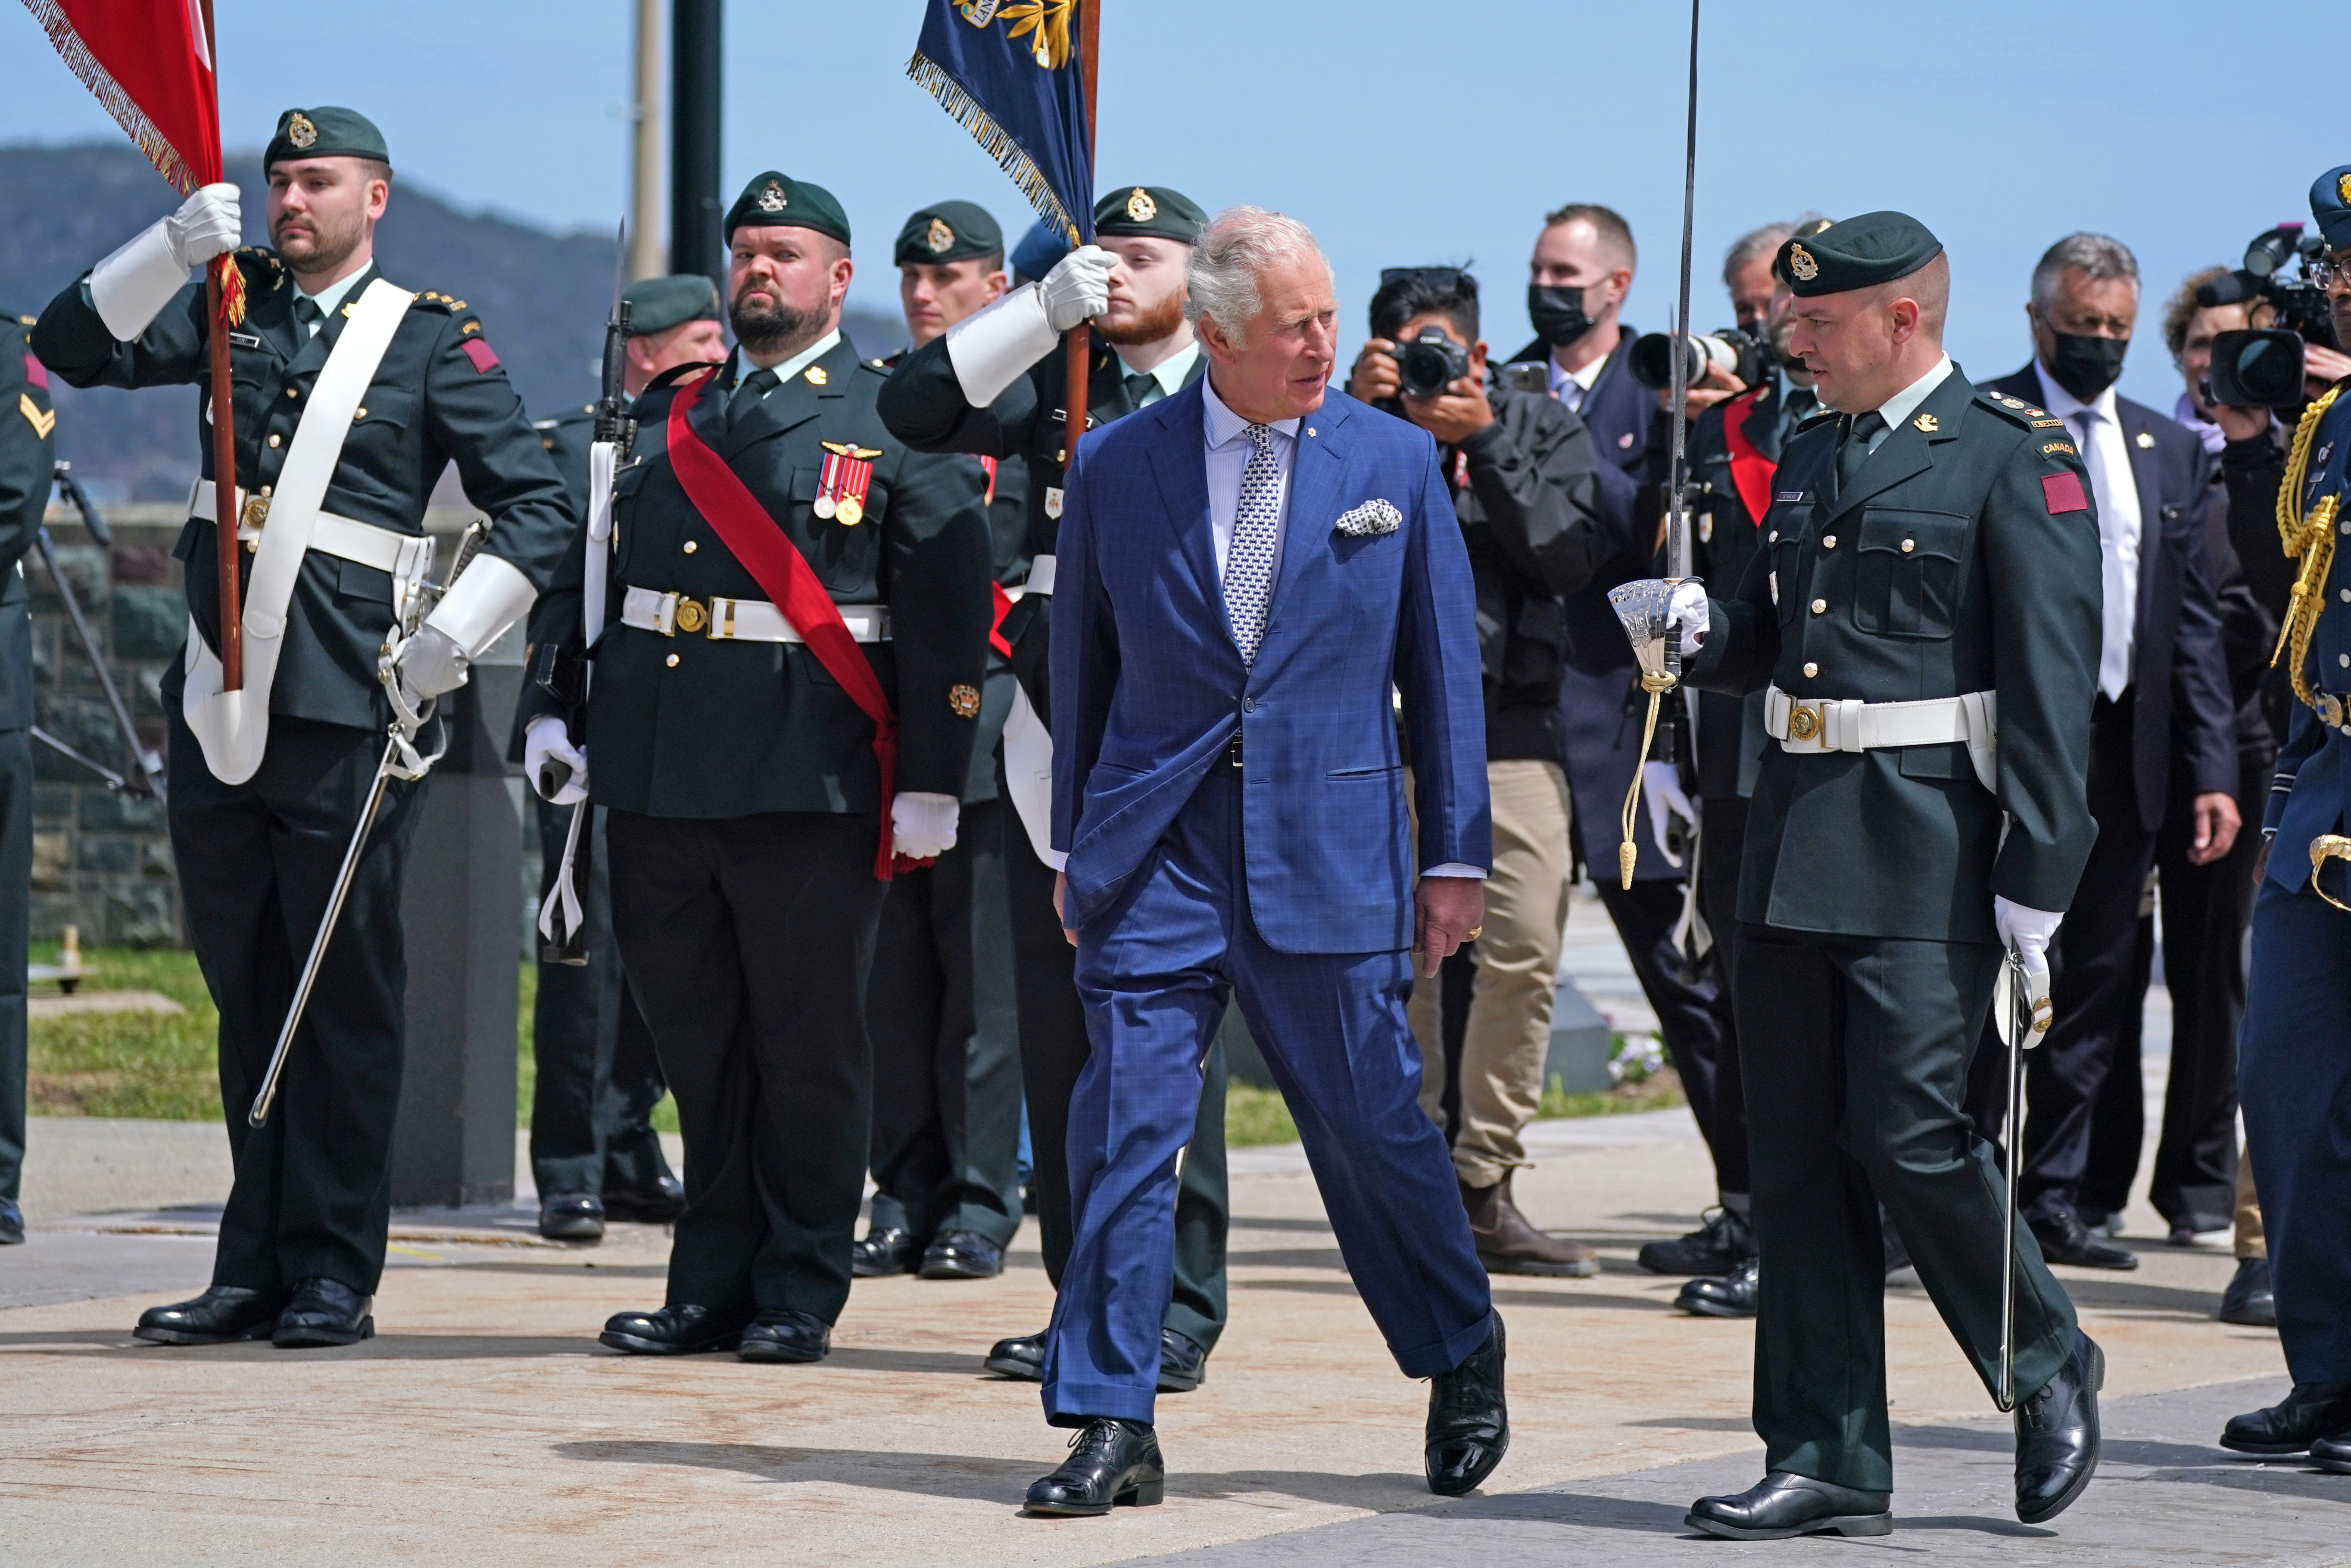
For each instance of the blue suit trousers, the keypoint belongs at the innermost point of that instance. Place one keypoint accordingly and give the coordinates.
(2293, 1074)
(1153, 972)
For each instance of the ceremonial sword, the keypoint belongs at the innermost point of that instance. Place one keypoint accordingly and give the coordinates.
(400, 761)
(2014, 1015)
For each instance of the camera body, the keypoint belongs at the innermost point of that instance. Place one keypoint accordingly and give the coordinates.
(2299, 304)
(1430, 363)
(1731, 350)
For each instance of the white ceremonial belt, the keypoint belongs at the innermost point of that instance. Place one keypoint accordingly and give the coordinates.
(407, 556)
(1849, 724)
(737, 620)
(1040, 575)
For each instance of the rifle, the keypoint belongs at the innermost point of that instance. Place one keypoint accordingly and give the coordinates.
(149, 781)
(564, 676)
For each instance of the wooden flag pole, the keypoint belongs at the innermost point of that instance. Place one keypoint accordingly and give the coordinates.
(224, 411)
(1074, 397)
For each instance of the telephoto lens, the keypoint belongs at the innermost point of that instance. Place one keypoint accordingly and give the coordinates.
(1430, 363)
(1728, 350)
(2256, 368)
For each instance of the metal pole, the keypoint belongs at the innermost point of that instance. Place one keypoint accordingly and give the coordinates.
(696, 210)
(1677, 545)
(645, 147)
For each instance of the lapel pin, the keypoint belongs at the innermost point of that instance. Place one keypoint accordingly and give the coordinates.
(1925, 422)
(816, 375)
(2147, 441)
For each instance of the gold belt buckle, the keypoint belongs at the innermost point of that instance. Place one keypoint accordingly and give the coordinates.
(2325, 847)
(257, 510)
(1804, 722)
(689, 617)
(2331, 711)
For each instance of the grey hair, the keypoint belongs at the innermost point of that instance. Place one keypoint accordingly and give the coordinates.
(1221, 277)
(2101, 255)
(1756, 243)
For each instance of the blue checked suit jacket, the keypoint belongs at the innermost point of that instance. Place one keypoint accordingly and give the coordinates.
(1148, 686)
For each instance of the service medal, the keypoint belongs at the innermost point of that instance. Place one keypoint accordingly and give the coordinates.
(840, 487)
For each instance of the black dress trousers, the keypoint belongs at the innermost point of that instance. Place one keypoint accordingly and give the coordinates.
(258, 862)
(946, 1046)
(748, 941)
(1053, 1049)
(1690, 1010)
(1721, 847)
(16, 934)
(599, 1078)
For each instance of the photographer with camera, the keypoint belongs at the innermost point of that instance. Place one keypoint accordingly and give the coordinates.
(1526, 487)
(2295, 1055)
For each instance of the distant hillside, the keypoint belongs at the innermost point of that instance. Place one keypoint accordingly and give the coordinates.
(542, 297)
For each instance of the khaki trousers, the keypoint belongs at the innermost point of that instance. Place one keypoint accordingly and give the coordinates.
(2252, 1241)
(1509, 1034)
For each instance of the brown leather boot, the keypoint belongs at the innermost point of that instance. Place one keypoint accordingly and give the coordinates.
(1483, 1205)
(1515, 1247)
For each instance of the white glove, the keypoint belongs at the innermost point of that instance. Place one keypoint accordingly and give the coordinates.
(1661, 789)
(922, 826)
(429, 663)
(1078, 288)
(545, 739)
(1688, 613)
(994, 346)
(2029, 932)
(131, 287)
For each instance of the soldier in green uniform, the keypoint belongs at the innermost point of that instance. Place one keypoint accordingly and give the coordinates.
(593, 1151)
(790, 592)
(352, 396)
(994, 386)
(27, 453)
(1930, 560)
(947, 1042)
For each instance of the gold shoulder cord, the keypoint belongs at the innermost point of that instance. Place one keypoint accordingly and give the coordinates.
(2311, 541)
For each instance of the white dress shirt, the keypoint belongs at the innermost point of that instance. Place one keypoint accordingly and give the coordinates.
(786, 370)
(1899, 408)
(1568, 387)
(2099, 432)
(328, 299)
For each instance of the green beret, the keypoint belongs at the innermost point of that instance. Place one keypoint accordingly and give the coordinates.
(948, 232)
(1855, 253)
(658, 304)
(775, 200)
(1149, 212)
(328, 133)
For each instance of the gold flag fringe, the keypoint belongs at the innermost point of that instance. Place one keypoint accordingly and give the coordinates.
(127, 113)
(993, 141)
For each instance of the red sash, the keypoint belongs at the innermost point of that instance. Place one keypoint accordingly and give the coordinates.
(1751, 471)
(744, 526)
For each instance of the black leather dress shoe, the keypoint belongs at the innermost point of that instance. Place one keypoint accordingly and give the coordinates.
(883, 1251)
(2249, 1302)
(781, 1334)
(2331, 1454)
(222, 1313)
(571, 1217)
(2057, 1435)
(1468, 1420)
(962, 1255)
(1023, 1357)
(1716, 1248)
(1182, 1362)
(1111, 1463)
(1784, 1504)
(2065, 1240)
(1733, 1295)
(2314, 1410)
(661, 1206)
(12, 1223)
(675, 1330)
(324, 1312)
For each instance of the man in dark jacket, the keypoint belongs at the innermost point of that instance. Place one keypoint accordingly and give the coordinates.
(1526, 487)
(26, 461)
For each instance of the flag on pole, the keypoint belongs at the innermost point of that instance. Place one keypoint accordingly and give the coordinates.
(1007, 71)
(149, 62)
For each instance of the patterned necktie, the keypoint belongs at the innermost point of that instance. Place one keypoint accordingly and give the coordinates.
(754, 386)
(1853, 450)
(1249, 562)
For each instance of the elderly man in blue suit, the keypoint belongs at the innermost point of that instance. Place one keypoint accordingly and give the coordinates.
(1249, 569)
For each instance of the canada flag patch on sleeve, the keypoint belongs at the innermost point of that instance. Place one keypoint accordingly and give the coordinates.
(2064, 492)
(485, 359)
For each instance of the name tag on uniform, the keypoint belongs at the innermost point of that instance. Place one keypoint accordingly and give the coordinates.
(1053, 502)
(1789, 495)
(244, 340)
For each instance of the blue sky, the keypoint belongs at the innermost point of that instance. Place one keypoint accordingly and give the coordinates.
(1403, 132)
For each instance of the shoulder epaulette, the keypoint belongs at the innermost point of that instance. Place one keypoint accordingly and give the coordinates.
(1826, 416)
(29, 320)
(677, 373)
(447, 304)
(2015, 410)
(261, 265)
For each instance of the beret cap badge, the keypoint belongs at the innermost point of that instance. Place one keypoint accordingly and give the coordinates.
(939, 237)
(772, 198)
(1140, 207)
(1800, 263)
(300, 131)
(2342, 188)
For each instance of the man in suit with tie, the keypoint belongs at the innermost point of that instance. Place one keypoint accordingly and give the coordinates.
(2163, 703)
(1248, 570)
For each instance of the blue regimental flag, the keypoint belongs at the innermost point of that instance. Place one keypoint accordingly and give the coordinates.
(1007, 69)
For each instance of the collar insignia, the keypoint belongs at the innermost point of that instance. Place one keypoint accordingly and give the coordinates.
(1926, 423)
(816, 375)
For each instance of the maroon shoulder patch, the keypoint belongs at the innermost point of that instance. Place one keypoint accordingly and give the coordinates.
(36, 375)
(2064, 492)
(485, 359)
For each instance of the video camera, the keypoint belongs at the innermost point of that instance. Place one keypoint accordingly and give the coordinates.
(1738, 353)
(2262, 367)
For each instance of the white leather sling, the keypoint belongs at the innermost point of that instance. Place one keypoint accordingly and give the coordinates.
(232, 727)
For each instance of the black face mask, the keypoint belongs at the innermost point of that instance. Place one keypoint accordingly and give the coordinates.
(1557, 313)
(2086, 367)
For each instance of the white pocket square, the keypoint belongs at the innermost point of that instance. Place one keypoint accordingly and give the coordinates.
(1372, 517)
